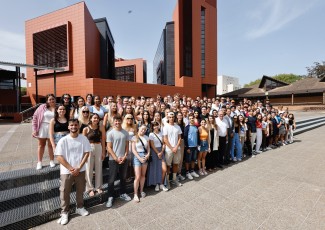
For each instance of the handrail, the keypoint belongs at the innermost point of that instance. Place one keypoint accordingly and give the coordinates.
(31, 108)
(28, 113)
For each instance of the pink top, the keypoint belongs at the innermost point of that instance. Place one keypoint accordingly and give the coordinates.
(38, 117)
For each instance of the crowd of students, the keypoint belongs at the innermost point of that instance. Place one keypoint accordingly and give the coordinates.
(152, 141)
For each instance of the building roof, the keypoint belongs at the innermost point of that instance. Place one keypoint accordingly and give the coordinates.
(303, 86)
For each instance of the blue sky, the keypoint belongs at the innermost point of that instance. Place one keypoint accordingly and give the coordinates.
(255, 37)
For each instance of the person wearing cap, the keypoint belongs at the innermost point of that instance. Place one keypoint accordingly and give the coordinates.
(172, 138)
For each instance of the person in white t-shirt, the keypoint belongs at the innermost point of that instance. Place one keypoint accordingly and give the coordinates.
(172, 138)
(72, 152)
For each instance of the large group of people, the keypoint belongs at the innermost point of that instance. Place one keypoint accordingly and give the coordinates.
(156, 142)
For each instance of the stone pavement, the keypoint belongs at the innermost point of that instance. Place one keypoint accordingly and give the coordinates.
(279, 189)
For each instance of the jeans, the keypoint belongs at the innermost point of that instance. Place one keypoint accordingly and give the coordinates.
(192, 156)
(236, 143)
(114, 167)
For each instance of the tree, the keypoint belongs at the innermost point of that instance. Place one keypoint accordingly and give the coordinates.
(317, 71)
(253, 83)
(287, 78)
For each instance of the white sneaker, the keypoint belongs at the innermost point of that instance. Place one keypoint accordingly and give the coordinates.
(64, 219)
(109, 202)
(136, 198)
(39, 165)
(178, 184)
(143, 194)
(205, 172)
(52, 164)
(163, 187)
(189, 176)
(157, 188)
(235, 159)
(201, 173)
(268, 148)
(253, 155)
(258, 151)
(180, 177)
(194, 174)
(125, 197)
(82, 211)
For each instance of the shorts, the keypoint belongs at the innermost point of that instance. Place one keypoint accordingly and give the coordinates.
(173, 158)
(58, 136)
(282, 131)
(136, 161)
(192, 156)
(204, 146)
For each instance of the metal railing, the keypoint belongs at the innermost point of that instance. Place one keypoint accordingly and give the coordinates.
(28, 113)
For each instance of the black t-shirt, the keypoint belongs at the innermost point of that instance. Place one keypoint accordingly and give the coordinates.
(252, 123)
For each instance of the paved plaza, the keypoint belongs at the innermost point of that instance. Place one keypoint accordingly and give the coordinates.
(279, 189)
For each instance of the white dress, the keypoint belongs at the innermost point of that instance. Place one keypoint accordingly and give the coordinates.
(44, 129)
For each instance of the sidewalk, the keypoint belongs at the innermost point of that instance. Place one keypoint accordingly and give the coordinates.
(279, 189)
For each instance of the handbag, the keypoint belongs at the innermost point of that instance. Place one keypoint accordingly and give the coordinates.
(150, 157)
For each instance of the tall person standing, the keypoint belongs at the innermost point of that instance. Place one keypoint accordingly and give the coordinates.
(118, 148)
(72, 152)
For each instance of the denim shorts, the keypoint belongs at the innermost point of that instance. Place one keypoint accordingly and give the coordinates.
(58, 136)
(136, 161)
(204, 146)
(192, 156)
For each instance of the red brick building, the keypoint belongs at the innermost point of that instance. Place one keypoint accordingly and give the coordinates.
(70, 38)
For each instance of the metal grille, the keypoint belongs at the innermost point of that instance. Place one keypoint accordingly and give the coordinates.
(51, 47)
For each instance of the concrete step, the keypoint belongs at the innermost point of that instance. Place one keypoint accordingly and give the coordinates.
(309, 127)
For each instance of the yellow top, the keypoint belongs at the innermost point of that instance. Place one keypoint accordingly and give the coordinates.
(204, 135)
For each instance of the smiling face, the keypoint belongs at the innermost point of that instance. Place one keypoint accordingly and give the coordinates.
(73, 126)
(142, 130)
(61, 110)
(95, 119)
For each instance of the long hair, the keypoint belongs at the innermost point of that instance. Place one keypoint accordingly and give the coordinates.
(91, 116)
(137, 133)
(81, 118)
(56, 114)
(125, 125)
(47, 97)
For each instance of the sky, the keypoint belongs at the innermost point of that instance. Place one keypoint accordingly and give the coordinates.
(255, 37)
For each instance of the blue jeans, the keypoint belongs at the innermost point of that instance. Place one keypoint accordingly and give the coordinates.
(192, 156)
(236, 143)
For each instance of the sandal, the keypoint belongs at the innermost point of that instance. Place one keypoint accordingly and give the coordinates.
(99, 191)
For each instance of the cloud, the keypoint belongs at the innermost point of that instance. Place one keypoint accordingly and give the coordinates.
(273, 15)
(12, 47)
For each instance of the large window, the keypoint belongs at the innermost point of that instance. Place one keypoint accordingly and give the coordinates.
(125, 73)
(51, 47)
(202, 42)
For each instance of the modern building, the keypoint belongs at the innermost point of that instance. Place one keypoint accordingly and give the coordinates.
(227, 84)
(71, 39)
(164, 61)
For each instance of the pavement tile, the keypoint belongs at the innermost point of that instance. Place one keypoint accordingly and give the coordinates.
(205, 221)
(85, 221)
(256, 215)
(311, 224)
(283, 219)
(172, 219)
(151, 225)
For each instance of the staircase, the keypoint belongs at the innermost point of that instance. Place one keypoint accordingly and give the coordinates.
(309, 124)
(30, 197)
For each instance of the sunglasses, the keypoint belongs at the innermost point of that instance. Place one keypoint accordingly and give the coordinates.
(85, 111)
(129, 118)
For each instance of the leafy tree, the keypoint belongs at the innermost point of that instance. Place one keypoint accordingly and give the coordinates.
(287, 78)
(318, 70)
(253, 83)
